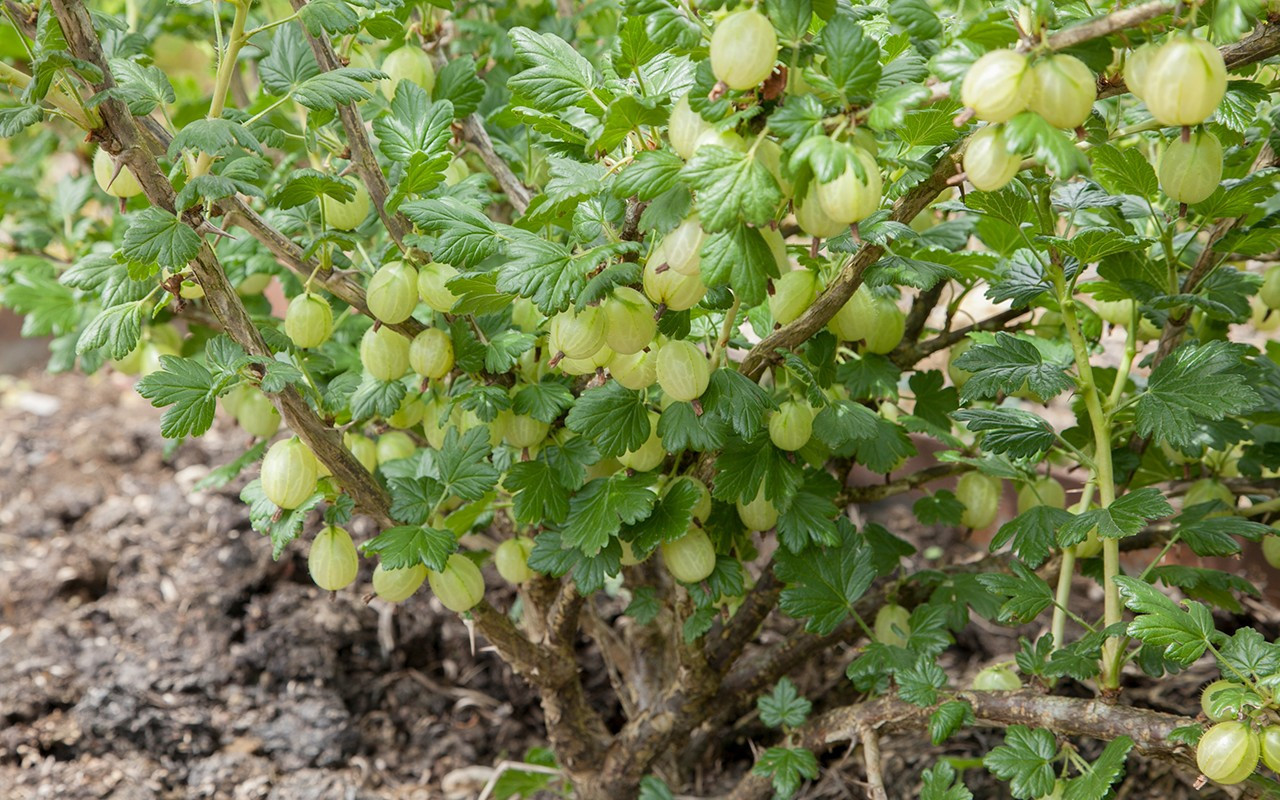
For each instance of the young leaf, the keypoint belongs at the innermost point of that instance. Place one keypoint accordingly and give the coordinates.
(1025, 760)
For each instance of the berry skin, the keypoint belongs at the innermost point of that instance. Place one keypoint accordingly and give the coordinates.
(1271, 550)
(397, 585)
(1137, 69)
(125, 184)
(813, 220)
(393, 292)
(685, 127)
(1062, 91)
(850, 197)
(1269, 294)
(670, 288)
(791, 425)
(431, 354)
(1186, 81)
(637, 371)
(1043, 491)
(363, 448)
(793, 293)
(333, 561)
(682, 371)
(1206, 697)
(988, 163)
(460, 587)
(650, 454)
(257, 415)
(1270, 745)
(393, 446)
(521, 430)
(996, 679)
(629, 322)
(1228, 753)
(1190, 171)
(744, 47)
(682, 247)
(407, 63)
(409, 414)
(431, 286)
(512, 559)
(980, 495)
(852, 322)
(577, 334)
(691, 558)
(308, 322)
(1206, 490)
(346, 216)
(892, 625)
(759, 514)
(887, 326)
(289, 473)
(959, 377)
(995, 86)
(384, 353)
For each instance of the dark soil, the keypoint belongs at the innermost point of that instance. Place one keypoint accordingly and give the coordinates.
(151, 648)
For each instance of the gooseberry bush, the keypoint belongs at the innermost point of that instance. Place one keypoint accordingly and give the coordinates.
(630, 297)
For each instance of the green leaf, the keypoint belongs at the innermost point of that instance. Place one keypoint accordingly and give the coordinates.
(740, 258)
(538, 494)
(1124, 171)
(787, 767)
(217, 137)
(154, 236)
(1032, 533)
(919, 683)
(941, 781)
(281, 529)
(1103, 772)
(1009, 431)
(1025, 760)
(466, 236)
(1007, 364)
(823, 584)
(142, 89)
(16, 119)
(544, 401)
(843, 423)
(948, 718)
(738, 400)
(682, 429)
(305, 185)
(1197, 383)
(1029, 132)
(852, 68)
(743, 466)
(649, 175)
(116, 328)
(1026, 591)
(917, 17)
(667, 23)
(328, 90)
(413, 499)
(415, 127)
(1182, 635)
(599, 509)
(669, 520)
(463, 463)
(458, 85)
(810, 517)
(556, 76)
(377, 398)
(731, 187)
(644, 606)
(186, 387)
(783, 707)
(1124, 517)
(790, 18)
(328, 16)
(612, 416)
(409, 545)
(626, 114)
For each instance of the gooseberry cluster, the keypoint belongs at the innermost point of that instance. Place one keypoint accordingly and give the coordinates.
(1241, 733)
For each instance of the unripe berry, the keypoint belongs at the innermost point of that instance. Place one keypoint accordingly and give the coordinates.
(959, 377)
(887, 326)
(995, 86)
(629, 558)
(384, 353)
(996, 679)
(650, 454)
(769, 153)
(759, 514)
(988, 163)
(587, 366)
(1043, 491)
(1270, 745)
(409, 414)
(191, 290)
(577, 334)
(456, 172)
(432, 289)
(512, 559)
(348, 215)
(125, 184)
(691, 558)
(682, 247)
(253, 284)
(637, 371)
(629, 322)
(1190, 171)
(892, 625)
(1228, 753)
(308, 322)
(1206, 700)
(363, 448)
(332, 560)
(393, 292)
(702, 508)
(852, 322)
(684, 128)
(522, 430)
(1269, 294)
(289, 473)
(395, 445)
(397, 585)
(849, 197)
(1206, 490)
(744, 47)
(980, 495)
(813, 220)
(257, 415)
(791, 425)
(670, 288)
(1187, 81)
(682, 371)
(778, 247)
(1062, 90)
(460, 587)
(793, 293)
(1137, 69)
(431, 354)
(727, 138)
(407, 63)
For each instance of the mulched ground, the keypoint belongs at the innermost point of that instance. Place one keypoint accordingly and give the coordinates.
(150, 647)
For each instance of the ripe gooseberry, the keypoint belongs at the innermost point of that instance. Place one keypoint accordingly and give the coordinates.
(851, 196)
(1043, 491)
(432, 290)
(393, 446)
(512, 559)
(346, 215)
(363, 448)
(1271, 549)
(393, 292)
(682, 371)
(684, 128)
(124, 185)
(332, 560)
(758, 515)
(1137, 68)
(683, 245)
(1206, 700)
(1228, 753)
(637, 371)
(980, 495)
(397, 585)
(793, 293)
(257, 414)
(691, 558)
(629, 322)
(813, 220)
(892, 625)
(1207, 490)
(431, 354)
(1062, 91)
(1186, 81)
(1270, 291)
(886, 326)
(994, 86)
(384, 353)
(1191, 170)
(577, 334)
(460, 586)
(996, 679)
(673, 290)
(791, 425)
(407, 63)
(289, 473)
(853, 320)
(744, 47)
(649, 454)
(1270, 746)
(988, 162)
(308, 322)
